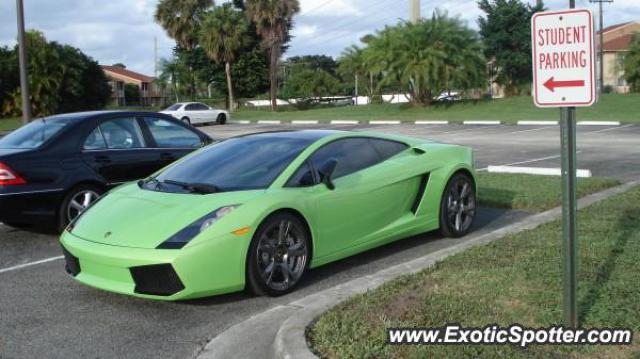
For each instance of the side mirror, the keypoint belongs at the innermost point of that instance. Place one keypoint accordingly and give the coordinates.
(326, 173)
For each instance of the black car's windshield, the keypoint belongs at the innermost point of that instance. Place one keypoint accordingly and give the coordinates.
(33, 135)
(243, 163)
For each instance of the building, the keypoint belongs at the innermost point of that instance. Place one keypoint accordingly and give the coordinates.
(616, 44)
(151, 94)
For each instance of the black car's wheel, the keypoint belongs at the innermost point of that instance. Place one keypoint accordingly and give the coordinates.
(222, 119)
(278, 255)
(458, 206)
(76, 201)
(186, 120)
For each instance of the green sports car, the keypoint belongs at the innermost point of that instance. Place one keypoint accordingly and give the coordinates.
(257, 211)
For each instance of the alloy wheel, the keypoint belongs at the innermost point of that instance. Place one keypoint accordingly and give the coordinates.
(80, 202)
(461, 205)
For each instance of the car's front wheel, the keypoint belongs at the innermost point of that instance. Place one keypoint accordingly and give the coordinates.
(76, 202)
(278, 255)
(458, 206)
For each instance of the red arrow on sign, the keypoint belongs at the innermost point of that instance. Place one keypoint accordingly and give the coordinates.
(551, 84)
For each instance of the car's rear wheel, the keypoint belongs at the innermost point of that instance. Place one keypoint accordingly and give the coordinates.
(76, 202)
(278, 255)
(222, 119)
(458, 206)
(186, 120)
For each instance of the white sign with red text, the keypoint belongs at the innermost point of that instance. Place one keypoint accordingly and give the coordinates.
(563, 58)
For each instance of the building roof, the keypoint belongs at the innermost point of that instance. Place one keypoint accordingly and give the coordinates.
(613, 27)
(127, 73)
(619, 43)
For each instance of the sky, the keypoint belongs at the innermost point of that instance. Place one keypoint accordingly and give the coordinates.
(114, 31)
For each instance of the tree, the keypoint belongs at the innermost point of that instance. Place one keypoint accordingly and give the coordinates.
(170, 73)
(8, 73)
(131, 94)
(352, 66)
(222, 35)
(506, 33)
(273, 20)
(427, 58)
(323, 62)
(310, 83)
(181, 20)
(632, 64)
(61, 79)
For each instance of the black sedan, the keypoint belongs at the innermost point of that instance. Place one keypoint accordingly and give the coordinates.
(54, 167)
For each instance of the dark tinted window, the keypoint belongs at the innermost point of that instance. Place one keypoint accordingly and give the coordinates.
(386, 148)
(95, 141)
(32, 135)
(122, 133)
(352, 154)
(242, 163)
(196, 107)
(302, 178)
(170, 135)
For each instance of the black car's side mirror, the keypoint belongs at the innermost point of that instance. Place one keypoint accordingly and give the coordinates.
(326, 173)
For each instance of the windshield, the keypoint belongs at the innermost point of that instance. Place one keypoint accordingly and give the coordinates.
(174, 107)
(243, 163)
(32, 135)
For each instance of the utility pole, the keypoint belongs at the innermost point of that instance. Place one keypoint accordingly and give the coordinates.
(601, 41)
(356, 88)
(414, 15)
(22, 60)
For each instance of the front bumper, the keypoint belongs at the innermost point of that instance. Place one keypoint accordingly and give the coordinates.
(213, 267)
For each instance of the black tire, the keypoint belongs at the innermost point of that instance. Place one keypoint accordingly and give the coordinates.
(186, 120)
(458, 206)
(274, 248)
(222, 119)
(68, 210)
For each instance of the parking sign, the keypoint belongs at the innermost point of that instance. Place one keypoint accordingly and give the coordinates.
(563, 58)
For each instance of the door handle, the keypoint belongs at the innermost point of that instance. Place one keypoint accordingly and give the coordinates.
(103, 159)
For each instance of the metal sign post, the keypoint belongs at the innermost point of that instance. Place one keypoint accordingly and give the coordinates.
(564, 77)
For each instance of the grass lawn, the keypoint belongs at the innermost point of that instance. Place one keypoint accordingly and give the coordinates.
(8, 124)
(517, 279)
(625, 108)
(529, 192)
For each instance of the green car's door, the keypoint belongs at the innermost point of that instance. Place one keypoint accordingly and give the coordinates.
(367, 197)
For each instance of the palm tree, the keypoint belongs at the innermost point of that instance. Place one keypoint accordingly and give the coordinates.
(222, 35)
(181, 20)
(273, 20)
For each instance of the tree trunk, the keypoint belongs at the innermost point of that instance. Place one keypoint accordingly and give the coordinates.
(227, 68)
(273, 74)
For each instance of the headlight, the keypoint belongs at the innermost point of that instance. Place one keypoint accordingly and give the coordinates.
(183, 237)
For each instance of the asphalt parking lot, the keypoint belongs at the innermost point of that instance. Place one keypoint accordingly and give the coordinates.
(44, 313)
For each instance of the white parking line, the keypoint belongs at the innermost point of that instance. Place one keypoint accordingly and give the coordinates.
(610, 129)
(540, 171)
(536, 123)
(598, 123)
(304, 122)
(384, 122)
(268, 122)
(529, 161)
(482, 122)
(432, 122)
(25, 265)
(344, 122)
(533, 129)
(467, 130)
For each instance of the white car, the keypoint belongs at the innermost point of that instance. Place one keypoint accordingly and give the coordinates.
(196, 112)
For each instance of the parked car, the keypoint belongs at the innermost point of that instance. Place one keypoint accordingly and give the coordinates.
(55, 167)
(196, 113)
(257, 211)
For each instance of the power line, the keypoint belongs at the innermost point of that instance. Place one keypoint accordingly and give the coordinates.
(317, 7)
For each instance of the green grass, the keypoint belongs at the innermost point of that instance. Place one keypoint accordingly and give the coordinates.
(529, 192)
(625, 108)
(8, 124)
(517, 279)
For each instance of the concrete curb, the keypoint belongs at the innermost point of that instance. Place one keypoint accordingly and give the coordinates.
(291, 341)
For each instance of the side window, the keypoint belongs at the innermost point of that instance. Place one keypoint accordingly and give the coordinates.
(201, 107)
(170, 135)
(386, 148)
(303, 177)
(95, 141)
(352, 154)
(122, 133)
(191, 107)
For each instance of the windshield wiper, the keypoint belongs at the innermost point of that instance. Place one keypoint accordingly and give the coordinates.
(143, 182)
(199, 188)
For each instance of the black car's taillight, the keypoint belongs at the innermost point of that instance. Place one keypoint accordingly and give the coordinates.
(9, 177)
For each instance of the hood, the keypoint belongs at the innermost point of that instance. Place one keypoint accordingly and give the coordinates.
(132, 217)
